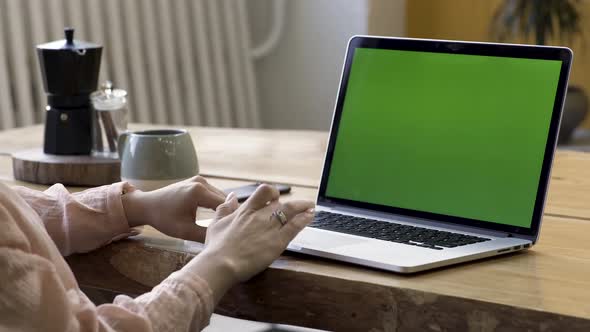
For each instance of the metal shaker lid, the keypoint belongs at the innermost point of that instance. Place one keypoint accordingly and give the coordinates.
(69, 43)
(107, 98)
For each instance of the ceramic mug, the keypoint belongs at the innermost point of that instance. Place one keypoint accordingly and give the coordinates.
(152, 159)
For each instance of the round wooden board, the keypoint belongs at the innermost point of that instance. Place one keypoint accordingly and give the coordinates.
(37, 167)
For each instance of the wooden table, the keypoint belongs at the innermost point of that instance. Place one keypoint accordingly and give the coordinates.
(544, 289)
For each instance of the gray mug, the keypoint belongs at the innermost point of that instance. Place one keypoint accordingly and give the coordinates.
(152, 159)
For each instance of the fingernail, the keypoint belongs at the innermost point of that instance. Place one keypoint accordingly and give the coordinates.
(230, 196)
(310, 210)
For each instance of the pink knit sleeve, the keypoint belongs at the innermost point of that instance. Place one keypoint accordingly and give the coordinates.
(83, 221)
(183, 294)
(38, 291)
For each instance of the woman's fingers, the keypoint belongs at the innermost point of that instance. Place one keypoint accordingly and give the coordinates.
(228, 207)
(290, 209)
(263, 194)
(209, 186)
(293, 208)
(207, 198)
(296, 224)
(191, 232)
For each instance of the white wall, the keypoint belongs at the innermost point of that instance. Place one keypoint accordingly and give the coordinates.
(298, 81)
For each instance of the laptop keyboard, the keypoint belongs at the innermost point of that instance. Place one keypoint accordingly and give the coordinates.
(387, 231)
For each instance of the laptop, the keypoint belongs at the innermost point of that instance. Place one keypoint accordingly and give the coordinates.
(439, 153)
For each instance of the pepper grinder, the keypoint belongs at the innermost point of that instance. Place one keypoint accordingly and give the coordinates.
(70, 71)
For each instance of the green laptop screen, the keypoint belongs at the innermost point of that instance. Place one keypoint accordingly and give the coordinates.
(459, 135)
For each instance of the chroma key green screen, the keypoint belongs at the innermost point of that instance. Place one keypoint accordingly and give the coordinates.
(459, 135)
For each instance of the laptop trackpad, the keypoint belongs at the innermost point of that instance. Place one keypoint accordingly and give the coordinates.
(323, 240)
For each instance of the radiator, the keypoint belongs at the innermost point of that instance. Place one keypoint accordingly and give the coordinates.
(183, 62)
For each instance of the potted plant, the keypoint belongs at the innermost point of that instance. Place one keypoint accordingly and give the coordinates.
(545, 20)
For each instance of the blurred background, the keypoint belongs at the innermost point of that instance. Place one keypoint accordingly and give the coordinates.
(252, 63)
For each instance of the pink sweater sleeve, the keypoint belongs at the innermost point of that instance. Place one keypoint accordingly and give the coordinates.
(38, 291)
(83, 221)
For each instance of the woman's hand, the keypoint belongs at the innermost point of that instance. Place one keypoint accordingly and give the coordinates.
(172, 210)
(244, 240)
(249, 237)
(241, 241)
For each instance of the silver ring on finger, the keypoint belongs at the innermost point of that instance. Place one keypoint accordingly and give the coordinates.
(280, 216)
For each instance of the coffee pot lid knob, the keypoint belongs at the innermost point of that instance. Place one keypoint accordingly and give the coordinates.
(68, 44)
(69, 32)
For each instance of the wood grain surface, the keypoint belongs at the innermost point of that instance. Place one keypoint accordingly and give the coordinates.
(34, 166)
(543, 289)
(521, 292)
(279, 156)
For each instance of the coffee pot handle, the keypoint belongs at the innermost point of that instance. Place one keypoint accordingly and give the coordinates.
(121, 142)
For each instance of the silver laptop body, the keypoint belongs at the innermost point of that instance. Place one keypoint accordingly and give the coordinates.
(409, 256)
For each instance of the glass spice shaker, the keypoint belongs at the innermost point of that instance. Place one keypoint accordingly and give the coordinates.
(109, 119)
